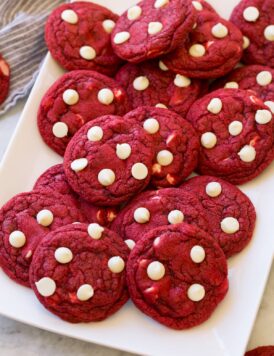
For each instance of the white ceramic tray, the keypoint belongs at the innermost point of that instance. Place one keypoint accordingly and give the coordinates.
(224, 334)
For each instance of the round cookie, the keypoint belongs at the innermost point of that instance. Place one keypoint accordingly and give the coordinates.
(236, 134)
(78, 37)
(261, 351)
(78, 273)
(255, 18)
(24, 221)
(152, 84)
(257, 79)
(230, 213)
(177, 275)
(74, 99)
(109, 160)
(4, 79)
(152, 209)
(213, 48)
(151, 28)
(176, 145)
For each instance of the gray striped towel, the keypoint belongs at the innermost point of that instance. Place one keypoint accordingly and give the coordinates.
(22, 43)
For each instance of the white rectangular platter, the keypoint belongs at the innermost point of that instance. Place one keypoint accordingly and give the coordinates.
(224, 334)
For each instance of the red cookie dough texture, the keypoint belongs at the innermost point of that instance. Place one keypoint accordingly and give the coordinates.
(261, 351)
(230, 213)
(4, 79)
(152, 84)
(151, 28)
(255, 18)
(152, 209)
(214, 47)
(24, 221)
(257, 79)
(177, 275)
(54, 178)
(176, 144)
(78, 273)
(236, 134)
(78, 37)
(74, 99)
(109, 160)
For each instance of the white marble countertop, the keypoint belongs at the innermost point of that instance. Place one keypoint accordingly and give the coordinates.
(17, 338)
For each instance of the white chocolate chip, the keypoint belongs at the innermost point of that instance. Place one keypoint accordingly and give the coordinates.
(175, 217)
(63, 255)
(230, 225)
(247, 153)
(151, 125)
(95, 133)
(139, 171)
(69, 16)
(251, 14)
(197, 50)
(17, 239)
(270, 104)
(164, 158)
(95, 231)
(116, 264)
(213, 189)
(198, 6)
(269, 33)
(264, 78)
(181, 81)
(85, 292)
(121, 37)
(141, 215)
(46, 286)
(140, 83)
(215, 106)
(208, 140)
(263, 117)
(196, 292)
(156, 270)
(134, 12)
(87, 52)
(60, 129)
(79, 164)
(232, 85)
(44, 217)
(154, 27)
(70, 96)
(194, 26)
(108, 25)
(130, 243)
(246, 42)
(160, 105)
(123, 150)
(105, 96)
(219, 30)
(197, 254)
(162, 66)
(106, 177)
(235, 128)
(160, 3)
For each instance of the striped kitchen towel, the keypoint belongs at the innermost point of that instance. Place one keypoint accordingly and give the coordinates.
(22, 43)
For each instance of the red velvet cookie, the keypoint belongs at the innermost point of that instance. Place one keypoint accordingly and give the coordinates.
(230, 213)
(176, 144)
(259, 80)
(255, 18)
(109, 160)
(74, 99)
(177, 275)
(77, 272)
(152, 84)
(214, 47)
(4, 79)
(236, 133)
(78, 37)
(152, 209)
(151, 28)
(24, 221)
(261, 351)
